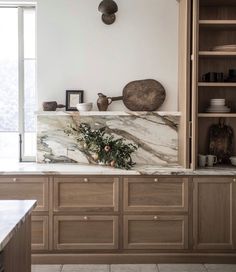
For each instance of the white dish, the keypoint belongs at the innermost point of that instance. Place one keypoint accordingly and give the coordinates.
(84, 106)
(233, 160)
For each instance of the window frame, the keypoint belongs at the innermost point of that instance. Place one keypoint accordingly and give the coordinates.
(21, 73)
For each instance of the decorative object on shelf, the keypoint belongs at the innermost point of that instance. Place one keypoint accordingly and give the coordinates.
(211, 160)
(73, 98)
(218, 106)
(233, 160)
(101, 148)
(84, 106)
(139, 95)
(108, 8)
(202, 160)
(144, 95)
(213, 77)
(52, 106)
(232, 76)
(103, 101)
(221, 141)
(225, 48)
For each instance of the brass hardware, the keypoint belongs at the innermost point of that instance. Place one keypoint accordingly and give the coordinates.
(156, 180)
(14, 179)
(234, 180)
(86, 218)
(155, 217)
(86, 180)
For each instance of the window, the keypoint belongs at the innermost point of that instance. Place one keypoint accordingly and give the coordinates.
(17, 83)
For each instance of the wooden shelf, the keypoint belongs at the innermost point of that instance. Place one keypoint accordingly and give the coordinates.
(218, 24)
(214, 3)
(215, 115)
(217, 84)
(218, 54)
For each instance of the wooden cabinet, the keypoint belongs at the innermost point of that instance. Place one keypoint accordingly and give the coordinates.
(214, 212)
(155, 194)
(155, 232)
(85, 232)
(86, 194)
(21, 188)
(39, 233)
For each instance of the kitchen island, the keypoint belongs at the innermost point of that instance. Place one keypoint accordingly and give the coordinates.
(15, 238)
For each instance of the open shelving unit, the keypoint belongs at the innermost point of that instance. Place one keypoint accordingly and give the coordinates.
(214, 24)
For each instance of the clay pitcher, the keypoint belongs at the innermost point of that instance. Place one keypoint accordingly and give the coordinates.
(103, 102)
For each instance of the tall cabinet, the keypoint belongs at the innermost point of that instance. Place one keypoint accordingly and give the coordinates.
(214, 25)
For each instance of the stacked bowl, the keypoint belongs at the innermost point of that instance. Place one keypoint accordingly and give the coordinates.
(217, 105)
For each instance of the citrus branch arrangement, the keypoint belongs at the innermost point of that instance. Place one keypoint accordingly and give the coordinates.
(101, 148)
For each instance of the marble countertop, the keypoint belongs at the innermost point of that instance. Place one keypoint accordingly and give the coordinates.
(79, 169)
(12, 214)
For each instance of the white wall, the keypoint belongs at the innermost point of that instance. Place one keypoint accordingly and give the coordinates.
(77, 51)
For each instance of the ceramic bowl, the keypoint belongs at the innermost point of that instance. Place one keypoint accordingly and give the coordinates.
(84, 106)
(233, 160)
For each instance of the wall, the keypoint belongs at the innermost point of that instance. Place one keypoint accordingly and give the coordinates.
(77, 51)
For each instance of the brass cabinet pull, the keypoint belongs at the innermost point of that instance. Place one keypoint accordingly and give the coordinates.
(86, 180)
(155, 179)
(234, 180)
(14, 179)
(155, 217)
(85, 218)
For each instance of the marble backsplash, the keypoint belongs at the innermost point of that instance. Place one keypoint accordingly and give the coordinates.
(156, 134)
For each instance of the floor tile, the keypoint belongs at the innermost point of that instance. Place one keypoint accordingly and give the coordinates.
(85, 268)
(133, 268)
(181, 268)
(46, 268)
(221, 267)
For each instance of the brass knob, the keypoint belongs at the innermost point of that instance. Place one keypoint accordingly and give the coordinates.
(234, 180)
(156, 180)
(86, 180)
(86, 218)
(155, 217)
(14, 179)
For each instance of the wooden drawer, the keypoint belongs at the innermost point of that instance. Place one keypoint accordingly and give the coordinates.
(86, 194)
(155, 194)
(155, 232)
(39, 232)
(85, 232)
(21, 188)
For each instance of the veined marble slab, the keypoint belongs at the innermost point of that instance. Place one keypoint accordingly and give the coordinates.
(156, 134)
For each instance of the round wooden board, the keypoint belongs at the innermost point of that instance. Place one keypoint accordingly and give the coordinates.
(144, 95)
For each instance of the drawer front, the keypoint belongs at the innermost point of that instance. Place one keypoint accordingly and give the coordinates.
(86, 194)
(39, 232)
(156, 194)
(21, 188)
(155, 232)
(85, 232)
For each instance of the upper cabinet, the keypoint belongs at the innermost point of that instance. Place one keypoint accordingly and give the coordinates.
(213, 70)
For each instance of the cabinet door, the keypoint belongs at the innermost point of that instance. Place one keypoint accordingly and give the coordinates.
(213, 208)
(85, 232)
(86, 194)
(21, 188)
(39, 232)
(155, 194)
(155, 232)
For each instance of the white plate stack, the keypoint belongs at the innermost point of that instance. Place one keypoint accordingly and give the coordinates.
(217, 105)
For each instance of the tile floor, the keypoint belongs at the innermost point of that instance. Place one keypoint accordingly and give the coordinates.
(136, 268)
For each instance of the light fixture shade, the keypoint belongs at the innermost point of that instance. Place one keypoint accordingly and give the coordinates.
(108, 7)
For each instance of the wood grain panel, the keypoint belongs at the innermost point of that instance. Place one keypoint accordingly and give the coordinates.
(22, 188)
(39, 233)
(86, 232)
(213, 211)
(155, 232)
(155, 194)
(86, 194)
